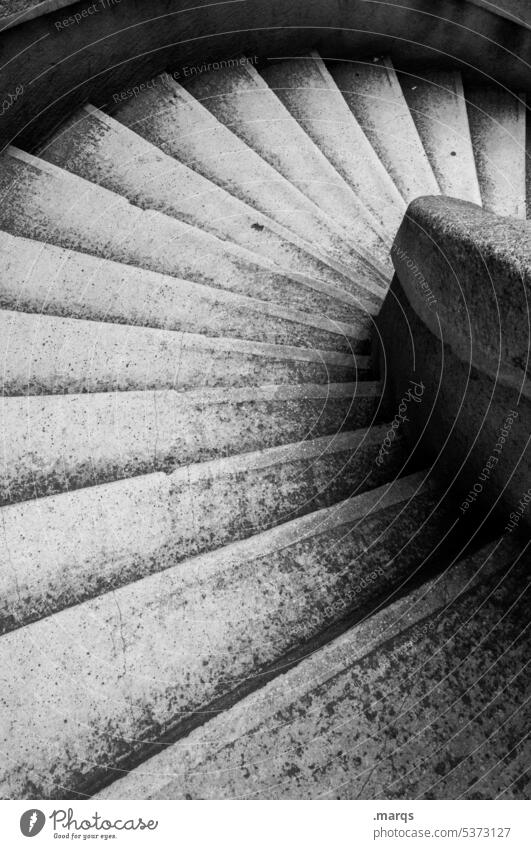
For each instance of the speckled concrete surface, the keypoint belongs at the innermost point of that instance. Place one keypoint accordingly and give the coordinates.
(428, 699)
(309, 92)
(56, 443)
(437, 104)
(373, 93)
(168, 116)
(66, 548)
(49, 204)
(208, 545)
(45, 354)
(497, 127)
(105, 679)
(470, 346)
(95, 146)
(479, 277)
(44, 278)
(241, 99)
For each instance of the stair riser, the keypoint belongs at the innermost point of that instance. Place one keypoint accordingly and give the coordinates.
(47, 355)
(54, 444)
(140, 641)
(47, 204)
(107, 536)
(41, 278)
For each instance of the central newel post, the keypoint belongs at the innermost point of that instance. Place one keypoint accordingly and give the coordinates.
(456, 322)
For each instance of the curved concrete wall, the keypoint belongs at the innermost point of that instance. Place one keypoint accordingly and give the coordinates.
(57, 61)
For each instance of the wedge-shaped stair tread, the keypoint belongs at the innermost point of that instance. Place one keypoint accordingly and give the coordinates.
(98, 148)
(106, 536)
(45, 354)
(169, 117)
(144, 660)
(426, 699)
(307, 90)
(497, 125)
(46, 203)
(56, 443)
(373, 93)
(243, 101)
(42, 278)
(438, 107)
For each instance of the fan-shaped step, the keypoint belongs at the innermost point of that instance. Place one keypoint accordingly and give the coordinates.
(438, 107)
(45, 354)
(425, 699)
(307, 90)
(106, 536)
(95, 146)
(149, 658)
(46, 203)
(373, 93)
(169, 117)
(497, 125)
(243, 101)
(56, 443)
(42, 278)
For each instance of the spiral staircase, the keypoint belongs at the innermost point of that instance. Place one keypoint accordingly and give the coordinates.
(217, 583)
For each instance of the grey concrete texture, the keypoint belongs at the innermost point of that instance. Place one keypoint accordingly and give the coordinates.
(58, 443)
(167, 115)
(71, 547)
(307, 89)
(437, 105)
(241, 99)
(472, 429)
(46, 203)
(98, 148)
(107, 678)
(47, 355)
(36, 277)
(373, 92)
(497, 120)
(426, 699)
(194, 496)
(477, 267)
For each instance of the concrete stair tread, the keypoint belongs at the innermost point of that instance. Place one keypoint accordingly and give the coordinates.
(372, 715)
(48, 354)
(43, 278)
(169, 117)
(307, 89)
(498, 129)
(147, 659)
(60, 443)
(99, 148)
(49, 204)
(243, 101)
(373, 93)
(151, 522)
(437, 105)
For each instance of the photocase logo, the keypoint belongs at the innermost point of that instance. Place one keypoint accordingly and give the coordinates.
(32, 822)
